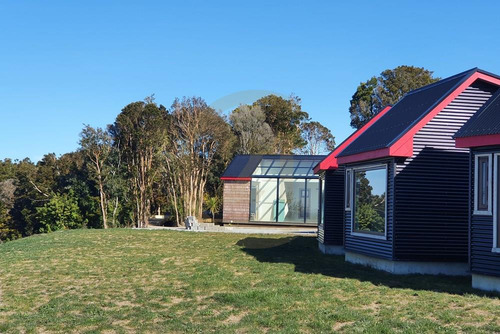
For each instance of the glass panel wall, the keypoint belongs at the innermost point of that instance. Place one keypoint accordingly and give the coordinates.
(263, 200)
(292, 200)
(280, 192)
(312, 201)
(369, 200)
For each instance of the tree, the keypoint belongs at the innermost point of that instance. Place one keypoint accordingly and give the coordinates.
(139, 133)
(254, 134)
(212, 203)
(387, 89)
(284, 117)
(7, 232)
(97, 146)
(318, 138)
(199, 136)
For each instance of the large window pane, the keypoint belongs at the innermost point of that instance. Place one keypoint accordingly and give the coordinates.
(312, 206)
(348, 189)
(498, 201)
(263, 200)
(291, 202)
(482, 192)
(369, 201)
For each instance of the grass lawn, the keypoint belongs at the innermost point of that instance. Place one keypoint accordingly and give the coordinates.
(122, 281)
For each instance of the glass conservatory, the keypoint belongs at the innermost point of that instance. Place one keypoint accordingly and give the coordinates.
(283, 189)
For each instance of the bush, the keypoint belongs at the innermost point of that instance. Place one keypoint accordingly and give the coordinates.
(59, 213)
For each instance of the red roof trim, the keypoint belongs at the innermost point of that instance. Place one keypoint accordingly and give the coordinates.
(403, 146)
(330, 162)
(227, 178)
(477, 141)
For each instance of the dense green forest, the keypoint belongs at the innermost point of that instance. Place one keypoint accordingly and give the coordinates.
(151, 160)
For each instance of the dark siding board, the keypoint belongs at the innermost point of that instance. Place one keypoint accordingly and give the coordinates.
(332, 233)
(485, 122)
(431, 196)
(371, 246)
(483, 261)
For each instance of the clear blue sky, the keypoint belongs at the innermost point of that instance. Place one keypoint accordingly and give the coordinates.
(65, 63)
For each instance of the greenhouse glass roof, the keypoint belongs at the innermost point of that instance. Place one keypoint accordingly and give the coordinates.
(292, 166)
(286, 167)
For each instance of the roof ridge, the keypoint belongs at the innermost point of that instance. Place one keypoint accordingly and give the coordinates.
(439, 82)
(465, 75)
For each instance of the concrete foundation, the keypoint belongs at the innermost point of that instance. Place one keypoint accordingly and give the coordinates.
(331, 249)
(409, 267)
(487, 283)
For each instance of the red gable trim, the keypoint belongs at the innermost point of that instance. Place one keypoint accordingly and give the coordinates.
(330, 162)
(476, 141)
(227, 178)
(403, 146)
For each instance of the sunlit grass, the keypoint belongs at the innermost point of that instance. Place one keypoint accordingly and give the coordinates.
(122, 281)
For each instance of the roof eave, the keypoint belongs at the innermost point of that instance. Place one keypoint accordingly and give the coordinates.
(231, 178)
(404, 151)
(477, 141)
(331, 161)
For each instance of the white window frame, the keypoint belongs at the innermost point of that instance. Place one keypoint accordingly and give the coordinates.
(348, 184)
(353, 212)
(496, 246)
(478, 212)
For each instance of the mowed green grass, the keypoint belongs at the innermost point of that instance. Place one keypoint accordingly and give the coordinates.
(123, 281)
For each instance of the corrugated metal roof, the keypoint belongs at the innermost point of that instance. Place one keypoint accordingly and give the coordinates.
(244, 166)
(404, 114)
(486, 121)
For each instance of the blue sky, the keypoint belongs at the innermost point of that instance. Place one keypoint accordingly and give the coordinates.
(65, 63)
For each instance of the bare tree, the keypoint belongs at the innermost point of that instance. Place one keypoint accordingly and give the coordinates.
(318, 138)
(97, 145)
(7, 192)
(254, 134)
(199, 135)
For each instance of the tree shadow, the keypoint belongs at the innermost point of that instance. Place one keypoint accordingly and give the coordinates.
(303, 253)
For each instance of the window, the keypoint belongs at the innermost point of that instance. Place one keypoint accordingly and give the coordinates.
(263, 200)
(312, 207)
(292, 200)
(496, 220)
(370, 192)
(482, 188)
(348, 189)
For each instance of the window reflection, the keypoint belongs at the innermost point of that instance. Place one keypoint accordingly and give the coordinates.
(369, 201)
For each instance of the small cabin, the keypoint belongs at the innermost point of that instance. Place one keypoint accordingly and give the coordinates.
(271, 189)
(481, 134)
(406, 184)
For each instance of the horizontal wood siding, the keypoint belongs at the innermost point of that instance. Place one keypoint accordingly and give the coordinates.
(431, 187)
(371, 246)
(483, 261)
(332, 232)
(236, 202)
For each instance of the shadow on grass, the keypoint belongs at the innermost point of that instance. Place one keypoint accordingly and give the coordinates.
(304, 254)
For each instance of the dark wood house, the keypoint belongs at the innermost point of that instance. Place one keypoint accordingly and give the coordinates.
(271, 189)
(481, 134)
(406, 193)
(332, 185)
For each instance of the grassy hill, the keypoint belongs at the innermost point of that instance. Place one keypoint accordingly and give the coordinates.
(122, 281)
